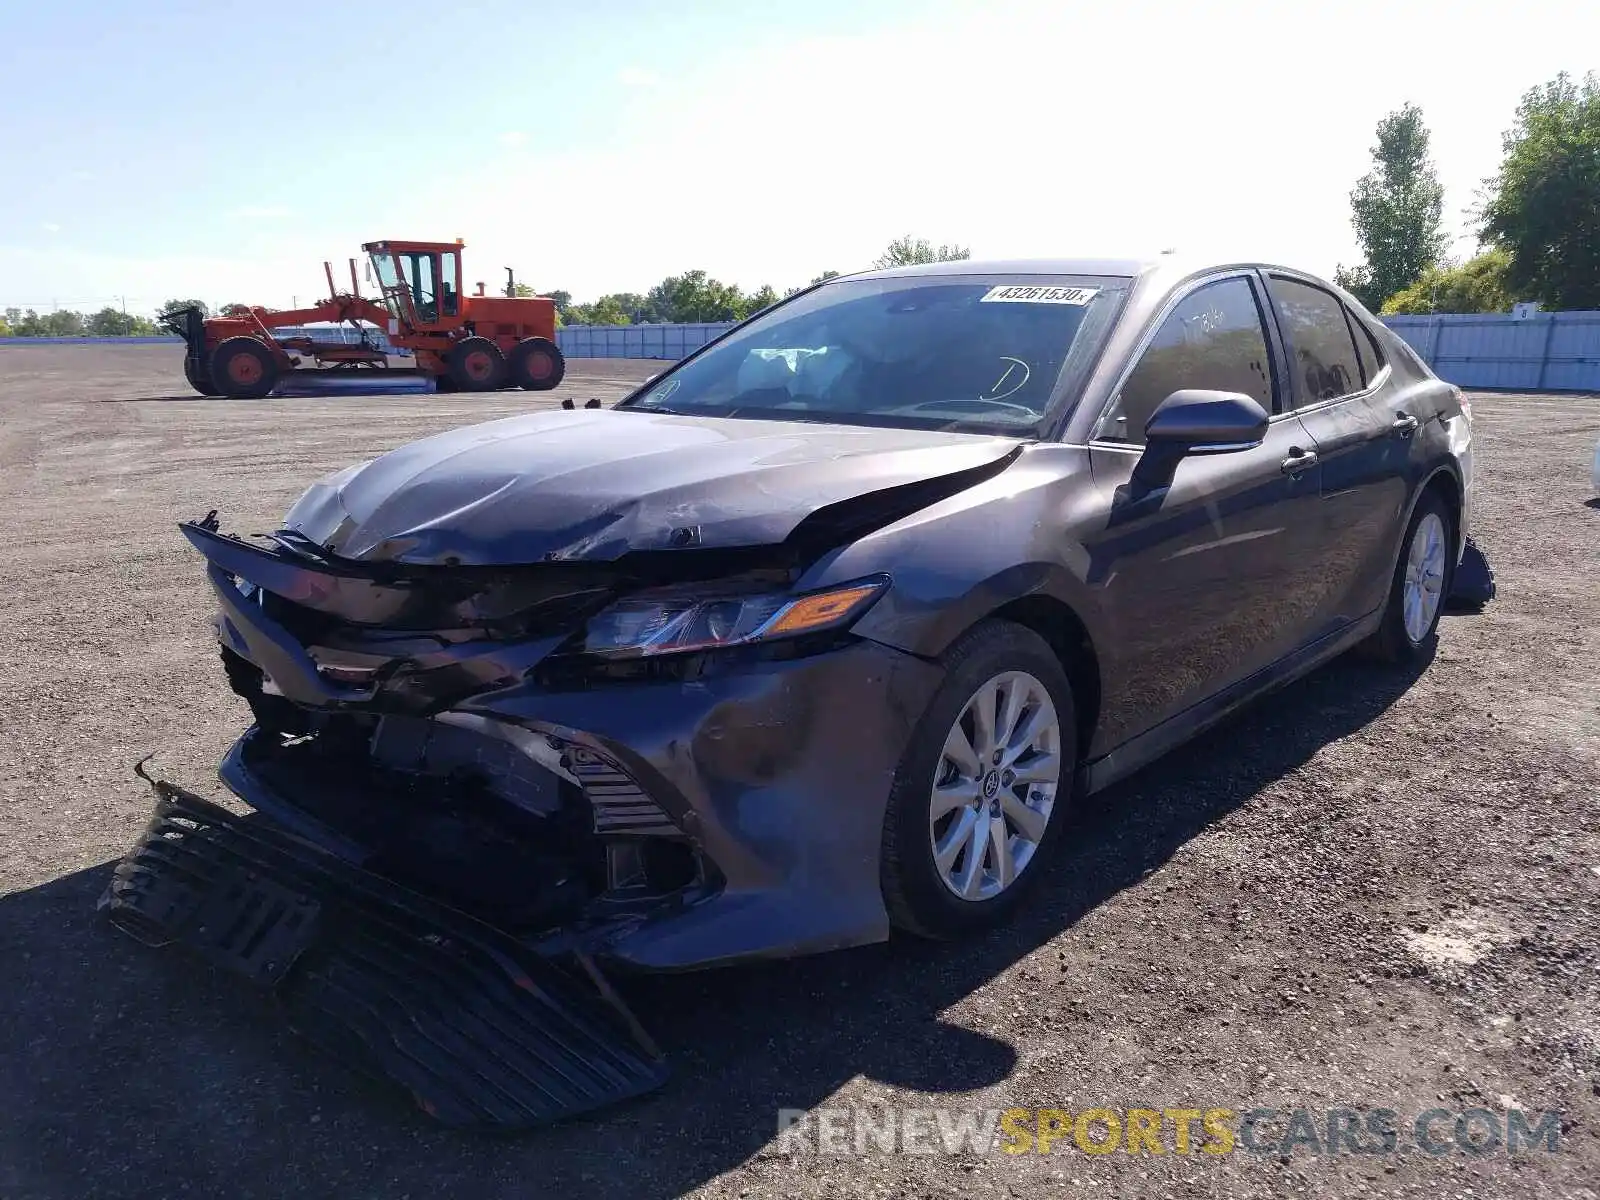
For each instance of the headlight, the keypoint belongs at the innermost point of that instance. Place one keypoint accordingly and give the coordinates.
(673, 620)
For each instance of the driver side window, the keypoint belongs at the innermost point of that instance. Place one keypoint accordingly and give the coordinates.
(1213, 339)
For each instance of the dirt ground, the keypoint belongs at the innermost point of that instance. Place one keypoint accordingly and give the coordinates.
(1372, 892)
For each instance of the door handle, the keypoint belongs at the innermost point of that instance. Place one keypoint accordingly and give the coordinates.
(1299, 460)
(1405, 424)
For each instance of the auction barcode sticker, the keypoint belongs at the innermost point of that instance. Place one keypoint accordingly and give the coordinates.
(1029, 294)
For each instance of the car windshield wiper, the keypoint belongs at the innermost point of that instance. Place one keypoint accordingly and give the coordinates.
(811, 415)
(653, 408)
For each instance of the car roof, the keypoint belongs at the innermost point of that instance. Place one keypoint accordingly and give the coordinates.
(1171, 266)
(1128, 267)
(1152, 280)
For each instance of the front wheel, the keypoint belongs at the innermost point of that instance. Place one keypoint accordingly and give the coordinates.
(243, 369)
(979, 800)
(476, 365)
(1421, 581)
(536, 364)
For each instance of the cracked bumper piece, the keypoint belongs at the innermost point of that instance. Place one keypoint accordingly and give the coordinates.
(440, 730)
(1473, 582)
(478, 1029)
(778, 773)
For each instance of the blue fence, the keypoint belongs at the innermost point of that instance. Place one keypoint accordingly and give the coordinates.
(1546, 352)
(1553, 352)
(1549, 352)
(635, 341)
(87, 341)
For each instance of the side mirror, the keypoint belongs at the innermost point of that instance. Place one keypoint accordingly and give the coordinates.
(1197, 421)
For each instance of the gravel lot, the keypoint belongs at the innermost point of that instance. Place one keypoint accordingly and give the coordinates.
(1375, 892)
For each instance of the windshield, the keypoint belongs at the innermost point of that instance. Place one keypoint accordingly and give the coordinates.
(927, 351)
(414, 283)
(389, 284)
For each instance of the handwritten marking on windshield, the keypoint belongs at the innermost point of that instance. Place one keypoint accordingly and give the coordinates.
(1017, 369)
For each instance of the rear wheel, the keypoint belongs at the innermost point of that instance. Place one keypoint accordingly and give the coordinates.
(243, 368)
(1421, 581)
(198, 375)
(979, 800)
(476, 365)
(537, 364)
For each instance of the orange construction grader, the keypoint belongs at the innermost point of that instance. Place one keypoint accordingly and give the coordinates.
(468, 343)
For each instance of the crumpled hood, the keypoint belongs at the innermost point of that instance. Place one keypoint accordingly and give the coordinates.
(594, 484)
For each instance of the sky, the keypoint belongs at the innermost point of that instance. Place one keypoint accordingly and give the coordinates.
(204, 148)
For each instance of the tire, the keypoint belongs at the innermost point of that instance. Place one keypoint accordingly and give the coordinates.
(243, 369)
(476, 365)
(536, 364)
(198, 375)
(1398, 639)
(920, 893)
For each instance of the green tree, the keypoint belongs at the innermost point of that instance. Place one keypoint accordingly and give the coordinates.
(172, 306)
(5, 324)
(1396, 209)
(63, 323)
(25, 324)
(563, 300)
(908, 251)
(112, 322)
(1543, 207)
(636, 306)
(693, 296)
(608, 310)
(763, 297)
(1475, 286)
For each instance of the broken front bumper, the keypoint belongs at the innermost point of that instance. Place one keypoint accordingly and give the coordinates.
(478, 1029)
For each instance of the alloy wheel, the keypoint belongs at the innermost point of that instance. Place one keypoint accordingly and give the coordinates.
(1423, 589)
(995, 787)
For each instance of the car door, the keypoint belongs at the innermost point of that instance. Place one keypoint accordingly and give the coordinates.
(1195, 581)
(1338, 384)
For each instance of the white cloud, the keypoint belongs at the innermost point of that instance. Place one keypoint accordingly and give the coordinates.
(50, 227)
(263, 212)
(514, 137)
(637, 77)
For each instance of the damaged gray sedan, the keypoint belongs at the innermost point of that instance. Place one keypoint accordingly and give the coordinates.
(818, 634)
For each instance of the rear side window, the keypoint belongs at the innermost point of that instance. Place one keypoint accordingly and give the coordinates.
(1213, 339)
(1367, 349)
(1322, 354)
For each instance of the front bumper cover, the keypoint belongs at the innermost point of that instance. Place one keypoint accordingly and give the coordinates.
(477, 1028)
(775, 771)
